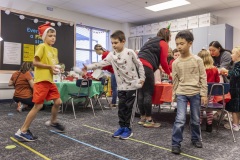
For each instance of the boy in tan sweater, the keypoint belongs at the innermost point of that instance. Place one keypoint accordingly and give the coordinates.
(189, 86)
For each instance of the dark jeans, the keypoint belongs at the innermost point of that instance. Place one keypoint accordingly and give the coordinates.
(195, 104)
(27, 101)
(125, 106)
(114, 88)
(145, 93)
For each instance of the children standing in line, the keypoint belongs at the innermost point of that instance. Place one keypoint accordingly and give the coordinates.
(234, 104)
(212, 76)
(129, 73)
(46, 57)
(189, 86)
(102, 51)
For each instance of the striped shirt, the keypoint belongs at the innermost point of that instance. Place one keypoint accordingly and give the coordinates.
(189, 76)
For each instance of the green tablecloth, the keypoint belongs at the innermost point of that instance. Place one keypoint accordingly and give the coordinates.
(65, 88)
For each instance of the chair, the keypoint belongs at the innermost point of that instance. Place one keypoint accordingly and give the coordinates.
(82, 84)
(104, 82)
(218, 89)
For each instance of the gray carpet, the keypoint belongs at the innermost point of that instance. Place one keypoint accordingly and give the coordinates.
(89, 138)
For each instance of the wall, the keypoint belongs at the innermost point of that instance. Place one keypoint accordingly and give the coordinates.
(57, 13)
(230, 17)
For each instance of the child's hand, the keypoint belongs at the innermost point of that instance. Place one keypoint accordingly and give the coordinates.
(224, 71)
(84, 69)
(55, 70)
(204, 101)
(141, 82)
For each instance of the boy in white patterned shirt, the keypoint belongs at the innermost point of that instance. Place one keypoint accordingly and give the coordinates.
(130, 76)
(189, 86)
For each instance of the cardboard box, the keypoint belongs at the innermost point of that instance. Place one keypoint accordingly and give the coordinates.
(133, 31)
(193, 23)
(207, 21)
(182, 24)
(207, 15)
(164, 24)
(174, 25)
(140, 30)
(147, 29)
(155, 27)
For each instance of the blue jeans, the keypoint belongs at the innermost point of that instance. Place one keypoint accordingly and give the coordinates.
(195, 104)
(114, 88)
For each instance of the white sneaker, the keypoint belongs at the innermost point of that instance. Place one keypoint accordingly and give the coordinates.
(235, 127)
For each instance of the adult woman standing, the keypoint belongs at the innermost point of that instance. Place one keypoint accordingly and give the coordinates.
(102, 51)
(153, 53)
(221, 57)
(23, 83)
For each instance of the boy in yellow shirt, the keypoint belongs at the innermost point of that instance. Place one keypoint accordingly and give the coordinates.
(46, 57)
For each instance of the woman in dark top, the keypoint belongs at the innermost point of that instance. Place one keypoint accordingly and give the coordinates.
(153, 53)
(221, 57)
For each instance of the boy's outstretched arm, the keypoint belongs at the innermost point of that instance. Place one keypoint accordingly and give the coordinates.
(102, 63)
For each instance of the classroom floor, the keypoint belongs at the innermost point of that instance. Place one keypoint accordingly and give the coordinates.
(89, 138)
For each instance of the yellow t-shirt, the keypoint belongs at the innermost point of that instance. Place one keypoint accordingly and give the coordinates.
(47, 55)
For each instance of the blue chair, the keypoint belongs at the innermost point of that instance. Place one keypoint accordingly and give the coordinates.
(218, 89)
(81, 83)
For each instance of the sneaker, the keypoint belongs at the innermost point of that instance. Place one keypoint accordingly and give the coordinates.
(20, 107)
(117, 133)
(151, 124)
(28, 137)
(57, 126)
(235, 127)
(34, 137)
(197, 144)
(176, 150)
(142, 121)
(127, 133)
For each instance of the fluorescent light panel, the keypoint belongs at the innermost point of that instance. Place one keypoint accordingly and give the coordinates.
(167, 5)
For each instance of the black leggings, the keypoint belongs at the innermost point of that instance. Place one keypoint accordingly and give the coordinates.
(145, 93)
(27, 101)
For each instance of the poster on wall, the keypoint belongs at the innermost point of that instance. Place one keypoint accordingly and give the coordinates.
(28, 52)
(12, 53)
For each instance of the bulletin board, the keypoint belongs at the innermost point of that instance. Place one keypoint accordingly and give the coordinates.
(20, 38)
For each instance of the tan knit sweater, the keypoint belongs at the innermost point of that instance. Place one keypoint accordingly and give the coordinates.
(189, 76)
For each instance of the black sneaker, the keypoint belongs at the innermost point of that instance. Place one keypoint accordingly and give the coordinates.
(57, 126)
(176, 150)
(197, 144)
(208, 127)
(29, 132)
(24, 137)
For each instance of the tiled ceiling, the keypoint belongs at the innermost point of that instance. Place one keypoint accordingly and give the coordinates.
(133, 11)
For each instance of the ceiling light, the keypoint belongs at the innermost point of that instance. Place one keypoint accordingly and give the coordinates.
(1, 39)
(167, 5)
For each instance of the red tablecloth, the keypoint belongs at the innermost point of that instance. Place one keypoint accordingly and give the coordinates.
(227, 98)
(162, 93)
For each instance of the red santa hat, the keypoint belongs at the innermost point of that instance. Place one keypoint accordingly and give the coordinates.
(43, 29)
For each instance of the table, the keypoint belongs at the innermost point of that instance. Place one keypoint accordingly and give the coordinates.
(67, 87)
(162, 93)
